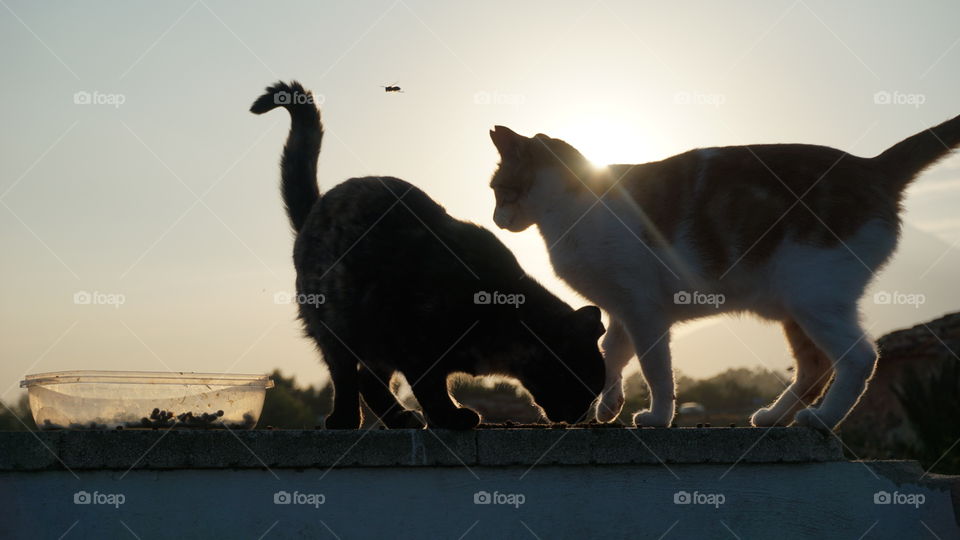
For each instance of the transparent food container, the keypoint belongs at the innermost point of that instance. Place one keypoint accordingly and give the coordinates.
(145, 399)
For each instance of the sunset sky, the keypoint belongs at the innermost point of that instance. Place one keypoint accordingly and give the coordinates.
(161, 193)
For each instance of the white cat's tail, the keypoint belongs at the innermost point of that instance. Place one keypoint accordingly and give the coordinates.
(298, 166)
(909, 157)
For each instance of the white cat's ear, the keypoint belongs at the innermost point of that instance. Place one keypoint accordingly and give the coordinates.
(508, 143)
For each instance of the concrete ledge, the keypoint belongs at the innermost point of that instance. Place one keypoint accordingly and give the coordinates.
(280, 449)
(499, 483)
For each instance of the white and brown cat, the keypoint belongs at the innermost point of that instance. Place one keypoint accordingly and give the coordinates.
(790, 232)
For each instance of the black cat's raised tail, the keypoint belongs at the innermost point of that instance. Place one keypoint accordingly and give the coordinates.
(298, 165)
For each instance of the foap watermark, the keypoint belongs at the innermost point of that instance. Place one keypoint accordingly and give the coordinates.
(706, 499)
(97, 298)
(98, 98)
(305, 299)
(884, 97)
(907, 499)
(699, 98)
(897, 298)
(305, 499)
(484, 97)
(697, 298)
(107, 499)
(508, 499)
(297, 98)
(484, 298)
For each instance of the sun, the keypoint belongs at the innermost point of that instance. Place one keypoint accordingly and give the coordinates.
(604, 140)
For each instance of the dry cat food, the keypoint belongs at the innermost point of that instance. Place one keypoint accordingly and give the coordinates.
(190, 420)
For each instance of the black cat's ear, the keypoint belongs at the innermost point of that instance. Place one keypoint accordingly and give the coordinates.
(589, 317)
(508, 143)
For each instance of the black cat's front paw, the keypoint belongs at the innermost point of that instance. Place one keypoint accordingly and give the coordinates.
(403, 420)
(342, 421)
(459, 419)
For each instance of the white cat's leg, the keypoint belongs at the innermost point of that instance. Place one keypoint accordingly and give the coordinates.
(617, 352)
(837, 331)
(652, 344)
(812, 374)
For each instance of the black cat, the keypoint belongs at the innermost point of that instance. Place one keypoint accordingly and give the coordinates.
(387, 281)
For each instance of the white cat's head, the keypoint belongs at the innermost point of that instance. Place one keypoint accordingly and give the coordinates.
(524, 160)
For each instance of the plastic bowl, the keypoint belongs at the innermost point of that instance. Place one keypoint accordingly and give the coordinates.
(145, 399)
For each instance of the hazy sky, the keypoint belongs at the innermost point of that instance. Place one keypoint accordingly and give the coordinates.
(162, 192)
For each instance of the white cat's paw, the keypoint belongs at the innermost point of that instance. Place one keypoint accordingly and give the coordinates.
(768, 418)
(611, 403)
(649, 419)
(812, 417)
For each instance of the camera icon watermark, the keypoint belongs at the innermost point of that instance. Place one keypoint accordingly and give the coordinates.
(707, 499)
(107, 499)
(98, 98)
(515, 500)
(305, 499)
(697, 298)
(297, 98)
(884, 97)
(484, 97)
(484, 298)
(907, 499)
(897, 298)
(699, 98)
(305, 299)
(97, 298)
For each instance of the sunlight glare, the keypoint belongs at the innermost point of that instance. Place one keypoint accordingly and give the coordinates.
(605, 140)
